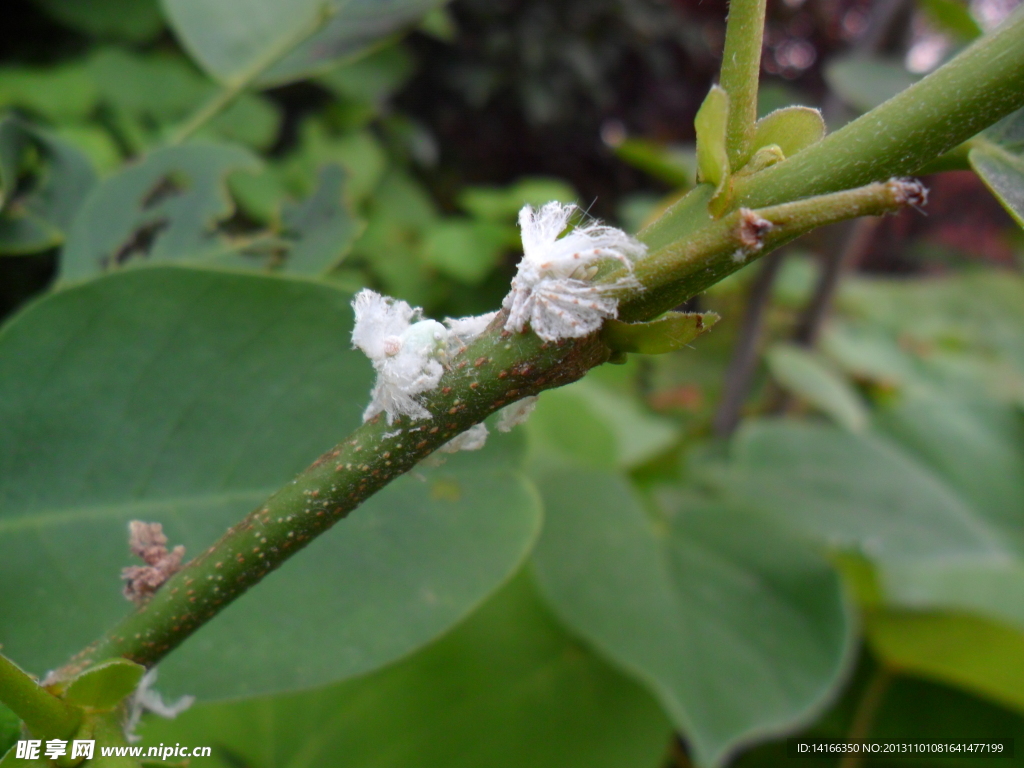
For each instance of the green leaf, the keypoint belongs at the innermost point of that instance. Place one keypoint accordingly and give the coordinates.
(712, 155)
(321, 227)
(502, 204)
(589, 423)
(135, 21)
(952, 16)
(973, 653)
(997, 156)
(791, 129)
(804, 374)
(10, 729)
(187, 397)
(669, 333)
(934, 548)
(672, 165)
(105, 685)
(157, 90)
(36, 214)
(851, 490)
(738, 629)
(164, 208)
(232, 38)
(372, 78)
(59, 94)
(506, 689)
(465, 249)
(865, 83)
(977, 448)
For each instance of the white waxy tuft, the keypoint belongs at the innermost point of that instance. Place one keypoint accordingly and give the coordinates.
(552, 291)
(473, 439)
(146, 699)
(403, 349)
(468, 328)
(513, 415)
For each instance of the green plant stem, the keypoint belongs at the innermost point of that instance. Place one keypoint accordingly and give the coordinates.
(723, 246)
(931, 117)
(741, 68)
(689, 251)
(495, 370)
(238, 84)
(44, 714)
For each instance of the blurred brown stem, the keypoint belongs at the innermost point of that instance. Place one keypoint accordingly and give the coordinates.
(745, 352)
(867, 710)
(837, 263)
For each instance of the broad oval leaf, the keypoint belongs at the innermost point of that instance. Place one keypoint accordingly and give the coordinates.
(186, 397)
(808, 377)
(508, 688)
(738, 629)
(280, 42)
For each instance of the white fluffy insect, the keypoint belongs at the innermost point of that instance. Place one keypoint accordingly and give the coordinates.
(473, 439)
(552, 290)
(512, 416)
(405, 351)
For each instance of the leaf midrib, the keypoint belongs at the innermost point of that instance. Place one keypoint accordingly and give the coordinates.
(32, 519)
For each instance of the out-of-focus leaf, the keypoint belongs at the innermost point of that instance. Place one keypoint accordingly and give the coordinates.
(465, 249)
(359, 153)
(187, 396)
(313, 235)
(502, 204)
(934, 544)
(669, 164)
(666, 334)
(10, 729)
(135, 21)
(977, 448)
(322, 227)
(952, 16)
(231, 38)
(737, 628)
(165, 208)
(712, 155)
(808, 377)
(35, 216)
(997, 156)
(400, 212)
(508, 688)
(60, 93)
(979, 655)
(94, 142)
(854, 490)
(157, 90)
(865, 83)
(950, 340)
(371, 78)
(791, 129)
(591, 424)
(105, 685)
(440, 24)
